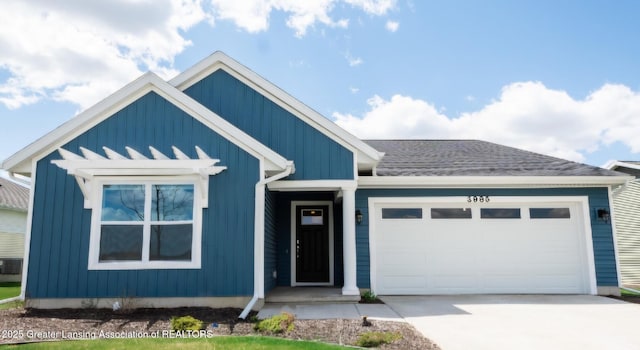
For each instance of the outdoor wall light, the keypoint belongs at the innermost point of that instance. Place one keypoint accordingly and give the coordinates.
(358, 216)
(603, 214)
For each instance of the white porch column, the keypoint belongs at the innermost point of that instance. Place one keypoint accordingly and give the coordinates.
(349, 241)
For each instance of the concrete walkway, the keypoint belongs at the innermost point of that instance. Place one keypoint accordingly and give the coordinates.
(496, 322)
(522, 322)
(319, 311)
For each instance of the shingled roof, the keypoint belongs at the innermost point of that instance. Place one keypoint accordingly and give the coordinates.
(472, 158)
(13, 196)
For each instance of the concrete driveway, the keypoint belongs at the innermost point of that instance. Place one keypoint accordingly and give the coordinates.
(478, 322)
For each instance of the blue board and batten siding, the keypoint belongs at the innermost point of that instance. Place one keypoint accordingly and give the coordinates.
(270, 240)
(603, 245)
(315, 155)
(61, 226)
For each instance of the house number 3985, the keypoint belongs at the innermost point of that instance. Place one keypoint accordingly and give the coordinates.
(478, 199)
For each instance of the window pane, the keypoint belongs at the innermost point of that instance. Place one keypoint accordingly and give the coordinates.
(402, 213)
(451, 213)
(500, 213)
(171, 202)
(171, 242)
(123, 203)
(10, 266)
(120, 242)
(312, 217)
(549, 213)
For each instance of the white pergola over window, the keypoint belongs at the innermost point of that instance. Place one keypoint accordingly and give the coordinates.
(89, 165)
(146, 212)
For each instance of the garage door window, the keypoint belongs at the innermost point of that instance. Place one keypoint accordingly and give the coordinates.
(451, 213)
(402, 213)
(549, 213)
(500, 213)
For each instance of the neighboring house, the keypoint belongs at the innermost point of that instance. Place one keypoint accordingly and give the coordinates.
(14, 202)
(626, 202)
(216, 186)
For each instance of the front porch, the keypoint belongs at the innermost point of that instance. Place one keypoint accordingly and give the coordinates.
(308, 295)
(309, 247)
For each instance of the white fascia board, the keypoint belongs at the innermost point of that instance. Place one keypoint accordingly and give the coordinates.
(618, 164)
(312, 185)
(488, 181)
(218, 60)
(21, 161)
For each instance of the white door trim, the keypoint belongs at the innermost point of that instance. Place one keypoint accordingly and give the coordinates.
(294, 206)
(582, 201)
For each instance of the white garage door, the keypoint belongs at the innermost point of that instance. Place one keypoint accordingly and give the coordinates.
(478, 245)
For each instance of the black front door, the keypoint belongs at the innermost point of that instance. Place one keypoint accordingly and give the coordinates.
(312, 244)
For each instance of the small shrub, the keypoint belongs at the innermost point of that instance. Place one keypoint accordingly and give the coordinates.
(375, 339)
(276, 324)
(185, 323)
(369, 297)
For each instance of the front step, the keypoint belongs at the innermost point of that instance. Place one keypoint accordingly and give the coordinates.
(307, 295)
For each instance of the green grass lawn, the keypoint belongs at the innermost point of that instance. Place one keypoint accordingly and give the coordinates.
(628, 293)
(12, 305)
(9, 290)
(217, 343)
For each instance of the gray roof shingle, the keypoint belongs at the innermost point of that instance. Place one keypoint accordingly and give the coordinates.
(472, 158)
(13, 196)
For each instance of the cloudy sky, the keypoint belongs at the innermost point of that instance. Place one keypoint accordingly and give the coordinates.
(556, 77)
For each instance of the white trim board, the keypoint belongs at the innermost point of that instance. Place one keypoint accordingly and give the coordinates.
(311, 185)
(94, 263)
(292, 248)
(612, 165)
(27, 238)
(365, 182)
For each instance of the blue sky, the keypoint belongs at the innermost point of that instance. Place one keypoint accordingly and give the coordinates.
(556, 77)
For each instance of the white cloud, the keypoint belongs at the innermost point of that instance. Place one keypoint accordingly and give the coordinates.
(79, 51)
(354, 90)
(374, 7)
(353, 61)
(253, 15)
(527, 115)
(392, 26)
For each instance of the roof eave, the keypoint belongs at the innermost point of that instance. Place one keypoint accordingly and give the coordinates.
(613, 165)
(489, 181)
(9, 208)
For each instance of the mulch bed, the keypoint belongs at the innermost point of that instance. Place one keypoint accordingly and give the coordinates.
(20, 325)
(627, 298)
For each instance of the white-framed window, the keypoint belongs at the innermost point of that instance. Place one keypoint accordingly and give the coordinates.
(152, 223)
